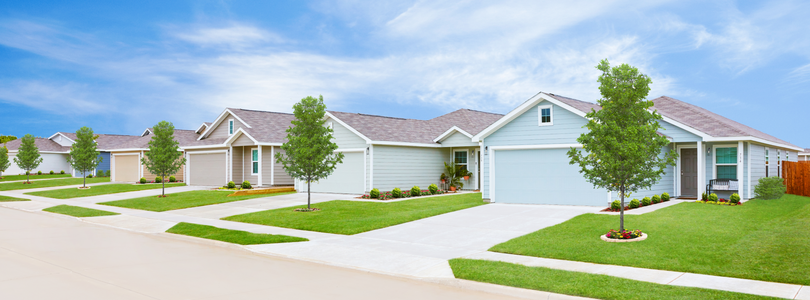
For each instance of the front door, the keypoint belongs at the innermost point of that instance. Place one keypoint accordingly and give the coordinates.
(689, 173)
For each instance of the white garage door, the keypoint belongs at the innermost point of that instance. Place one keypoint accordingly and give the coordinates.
(207, 169)
(542, 177)
(125, 168)
(347, 177)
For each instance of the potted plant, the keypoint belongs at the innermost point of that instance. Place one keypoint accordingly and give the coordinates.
(467, 174)
(444, 178)
(453, 178)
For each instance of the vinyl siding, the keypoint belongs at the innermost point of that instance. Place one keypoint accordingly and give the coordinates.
(665, 185)
(405, 167)
(282, 178)
(50, 161)
(149, 176)
(248, 163)
(221, 131)
(243, 140)
(458, 139)
(677, 134)
(105, 162)
(238, 176)
(757, 164)
(344, 138)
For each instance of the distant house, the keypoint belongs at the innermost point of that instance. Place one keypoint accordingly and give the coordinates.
(53, 151)
(104, 144)
(525, 158)
(805, 155)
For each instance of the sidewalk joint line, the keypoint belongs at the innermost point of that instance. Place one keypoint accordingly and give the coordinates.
(676, 278)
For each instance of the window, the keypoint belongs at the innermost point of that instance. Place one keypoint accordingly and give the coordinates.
(460, 158)
(255, 160)
(545, 115)
(766, 162)
(726, 162)
(230, 127)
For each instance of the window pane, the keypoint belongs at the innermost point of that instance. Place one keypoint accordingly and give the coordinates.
(461, 157)
(546, 115)
(255, 155)
(726, 155)
(230, 127)
(726, 172)
(256, 167)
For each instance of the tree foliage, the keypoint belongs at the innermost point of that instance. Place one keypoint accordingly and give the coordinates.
(6, 138)
(309, 151)
(83, 154)
(622, 152)
(4, 161)
(28, 157)
(164, 157)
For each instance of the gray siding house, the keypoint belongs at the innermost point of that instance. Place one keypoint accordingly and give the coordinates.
(525, 161)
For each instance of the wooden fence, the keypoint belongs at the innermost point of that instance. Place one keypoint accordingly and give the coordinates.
(797, 177)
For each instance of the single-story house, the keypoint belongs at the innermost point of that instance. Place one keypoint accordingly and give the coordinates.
(104, 144)
(525, 158)
(126, 154)
(804, 155)
(54, 152)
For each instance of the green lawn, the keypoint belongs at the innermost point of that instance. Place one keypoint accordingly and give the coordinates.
(100, 190)
(352, 217)
(10, 186)
(11, 199)
(79, 212)
(184, 200)
(762, 240)
(33, 177)
(231, 236)
(580, 284)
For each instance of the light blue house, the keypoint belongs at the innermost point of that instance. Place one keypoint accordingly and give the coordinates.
(524, 153)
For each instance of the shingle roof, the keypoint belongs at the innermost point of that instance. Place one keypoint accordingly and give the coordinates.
(266, 126)
(390, 129)
(106, 141)
(708, 122)
(580, 105)
(806, 151)
(184, 137)
(43, 144)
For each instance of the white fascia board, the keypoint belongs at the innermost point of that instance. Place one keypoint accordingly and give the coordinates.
(201, 126)
(236, 135)
(219, 120)
(64, 136)
(128, 149)
(331, 116)
(270, 144)
(145, 131)
(350, 150)
(752, 139)
(535, 147)
(449, 132)
(383, 143)
(522, 109)
(204, 147)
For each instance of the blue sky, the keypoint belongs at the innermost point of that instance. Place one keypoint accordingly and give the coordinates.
(122, 66)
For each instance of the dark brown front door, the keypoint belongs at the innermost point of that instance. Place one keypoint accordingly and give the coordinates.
(689, 173)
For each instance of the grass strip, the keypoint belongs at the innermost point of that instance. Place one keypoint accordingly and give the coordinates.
(33, 177)
(79, 212)
(10, 186)
(580, 284)
(352, 217)
(11, 199)
(762, 240)
(100, 190)
(184, 200)
(231, 236)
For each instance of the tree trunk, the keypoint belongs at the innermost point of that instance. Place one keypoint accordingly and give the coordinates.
(84, 180)
(28, 176)
(163, 181)
(621, 210)
(309, 190)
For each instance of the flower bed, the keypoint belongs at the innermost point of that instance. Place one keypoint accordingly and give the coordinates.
(635, 203)
(720, 201)
(307, 209)
(624, 234)
(734, 200)
(405, 194)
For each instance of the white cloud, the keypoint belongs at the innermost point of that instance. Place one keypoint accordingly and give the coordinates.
(236, 35)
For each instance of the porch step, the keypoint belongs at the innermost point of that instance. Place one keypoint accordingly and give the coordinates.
(258, 191)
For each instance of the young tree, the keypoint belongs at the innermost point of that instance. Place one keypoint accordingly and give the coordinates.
(164, 157)
(309, 148)
(28, 156)
(6, 138)
(621, 152)
(4, 162)
(83, 154)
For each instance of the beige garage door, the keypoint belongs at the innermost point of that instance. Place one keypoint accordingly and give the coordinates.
(126, 168)
(207, 169)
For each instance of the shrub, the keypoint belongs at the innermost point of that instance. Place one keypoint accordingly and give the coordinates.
(713, 197)
(89, 175)
(770, 188)
(51, 172)
(416, 191)
(143, 180)
(62, 172)
(39, 172)
(99, 173)
(107, 173)
(655, 199)
(735, 198)
(433, 188)
(172, 179)
(665, 197)
(158, 179)
(375, 193)
(646, 201)
(615, 205)
(231, 185)
(704, 197)
(27, 173)
(396, 193)
(634, 203)
(246, 185)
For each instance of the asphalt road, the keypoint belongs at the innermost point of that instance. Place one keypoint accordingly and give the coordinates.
(53, 257)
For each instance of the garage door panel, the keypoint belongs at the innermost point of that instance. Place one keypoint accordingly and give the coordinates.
(126, 168)
(542, 177)
(347, 178)
(207, 169)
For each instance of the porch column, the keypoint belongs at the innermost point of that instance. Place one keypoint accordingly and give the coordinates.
(229, 169)
(260, 165)
(741, 168)
(272, 165)
(701, 184)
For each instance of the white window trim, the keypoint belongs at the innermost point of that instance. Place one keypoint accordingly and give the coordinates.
(714, 159)
(231, 127)
(540, 115)
(254, 161)
(468, 158)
